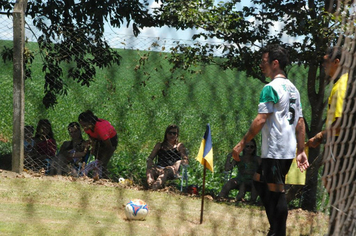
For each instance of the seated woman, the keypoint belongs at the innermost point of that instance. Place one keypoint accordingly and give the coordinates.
(45, 146)
(73, 151)
(171, 154)
(247, 166)
(103, 139)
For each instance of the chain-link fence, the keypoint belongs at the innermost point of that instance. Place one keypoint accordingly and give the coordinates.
(339, 156)
(142, 86)
(139, 98)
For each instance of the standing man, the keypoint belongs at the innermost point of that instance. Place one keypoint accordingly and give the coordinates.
(333, 125)
(281, 120)
(336, 98)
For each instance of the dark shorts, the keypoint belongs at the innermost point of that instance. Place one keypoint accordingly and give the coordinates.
(273, 171)
(101, 148)
(113, 140)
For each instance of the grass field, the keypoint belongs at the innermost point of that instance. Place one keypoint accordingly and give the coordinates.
(42, 205)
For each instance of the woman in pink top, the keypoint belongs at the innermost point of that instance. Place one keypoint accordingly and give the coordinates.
(103, 139)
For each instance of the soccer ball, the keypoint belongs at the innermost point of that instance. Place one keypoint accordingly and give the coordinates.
(136, 209)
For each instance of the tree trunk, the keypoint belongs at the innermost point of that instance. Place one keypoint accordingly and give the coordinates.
(309, 196)
(317, 106)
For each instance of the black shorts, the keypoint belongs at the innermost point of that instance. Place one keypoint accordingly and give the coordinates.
(113, 140)
(273, 171)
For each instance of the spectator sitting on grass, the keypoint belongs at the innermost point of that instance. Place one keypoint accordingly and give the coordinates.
(44, 145)
(171, 154)
(71, 152)
(247, 166)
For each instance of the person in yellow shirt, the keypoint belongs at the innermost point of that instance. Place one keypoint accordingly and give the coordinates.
(336, 98)
(333, 119)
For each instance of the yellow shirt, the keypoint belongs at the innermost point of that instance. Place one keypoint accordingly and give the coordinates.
(336, 100)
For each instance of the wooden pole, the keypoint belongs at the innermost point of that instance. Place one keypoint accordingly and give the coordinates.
(203, 193)
(19, 86)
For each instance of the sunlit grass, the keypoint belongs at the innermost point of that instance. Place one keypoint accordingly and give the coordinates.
(59, 206)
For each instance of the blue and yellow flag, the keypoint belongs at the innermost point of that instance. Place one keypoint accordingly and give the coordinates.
(206, 150)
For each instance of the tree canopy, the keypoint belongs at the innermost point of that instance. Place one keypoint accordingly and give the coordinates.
(69, 25)
(243, 32)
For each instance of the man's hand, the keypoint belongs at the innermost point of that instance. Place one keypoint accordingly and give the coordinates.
(302, 161)
(237, 150)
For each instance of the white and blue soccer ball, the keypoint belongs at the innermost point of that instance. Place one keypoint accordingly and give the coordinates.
(136, 209)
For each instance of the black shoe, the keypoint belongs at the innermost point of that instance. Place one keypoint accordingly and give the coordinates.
(271, 233)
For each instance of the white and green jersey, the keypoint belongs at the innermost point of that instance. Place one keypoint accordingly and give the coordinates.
(281, 98)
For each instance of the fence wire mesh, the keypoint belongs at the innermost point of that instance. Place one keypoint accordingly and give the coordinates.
(339, 156)
(144, 86)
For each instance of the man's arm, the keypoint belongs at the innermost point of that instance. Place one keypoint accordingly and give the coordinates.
(302, 159)
(255, 128)
(300, 133)
(318, 138)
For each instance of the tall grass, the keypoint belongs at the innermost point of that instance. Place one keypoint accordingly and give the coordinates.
(140, 103)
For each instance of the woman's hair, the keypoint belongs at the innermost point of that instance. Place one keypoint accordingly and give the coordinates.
(73, 124)
(77, 126)
(88, 116)
(40, 124)
(254, 153)
(169, 128)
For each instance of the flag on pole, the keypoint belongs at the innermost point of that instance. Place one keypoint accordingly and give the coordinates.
(206, 150)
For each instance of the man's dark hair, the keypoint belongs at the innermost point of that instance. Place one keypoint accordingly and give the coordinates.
(277, 52)
(334, 53)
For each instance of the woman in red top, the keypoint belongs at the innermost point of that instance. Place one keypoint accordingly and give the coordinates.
(103, 138)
